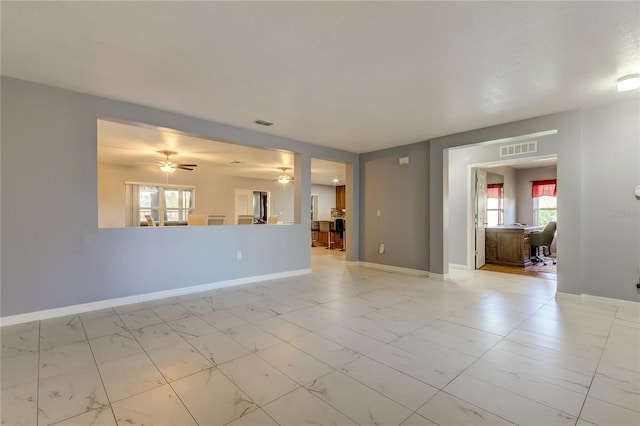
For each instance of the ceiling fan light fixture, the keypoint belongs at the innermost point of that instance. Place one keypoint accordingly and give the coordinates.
(168, 168)
(628, 82)
(335, 180)
(284, 178)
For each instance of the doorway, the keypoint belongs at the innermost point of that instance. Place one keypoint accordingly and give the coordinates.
(329, 214)
(253, 202)
(486, 196)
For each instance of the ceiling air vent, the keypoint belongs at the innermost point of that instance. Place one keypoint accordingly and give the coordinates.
(263, 123)
(518, 149)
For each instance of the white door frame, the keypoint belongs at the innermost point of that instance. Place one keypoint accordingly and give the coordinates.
(241, 206)
(480, 216)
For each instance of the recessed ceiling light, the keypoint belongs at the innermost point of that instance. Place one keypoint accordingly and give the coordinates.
(628, 82)
(335, 180)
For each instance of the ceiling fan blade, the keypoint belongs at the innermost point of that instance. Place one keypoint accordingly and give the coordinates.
(188, 165)
(181, 167)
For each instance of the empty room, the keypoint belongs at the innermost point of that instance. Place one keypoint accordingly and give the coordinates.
(289, 213)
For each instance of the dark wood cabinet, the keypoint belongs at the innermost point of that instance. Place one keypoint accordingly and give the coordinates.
(340, 197)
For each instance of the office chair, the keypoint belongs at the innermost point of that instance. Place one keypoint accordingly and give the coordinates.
(542, 239)
(325, 226)
(215, 219)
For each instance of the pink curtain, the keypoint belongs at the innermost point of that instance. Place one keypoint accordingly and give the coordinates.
(540, 188)
(494, 190)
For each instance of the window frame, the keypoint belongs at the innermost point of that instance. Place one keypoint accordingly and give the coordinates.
(537, 209)
(500, 208)
(162, 208)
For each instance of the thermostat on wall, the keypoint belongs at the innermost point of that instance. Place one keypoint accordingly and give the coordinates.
(638, 191)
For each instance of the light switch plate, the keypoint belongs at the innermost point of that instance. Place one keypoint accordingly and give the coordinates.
(638, 191)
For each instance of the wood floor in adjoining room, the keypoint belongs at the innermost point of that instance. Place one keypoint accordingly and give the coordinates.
(548, 271)
(344, 345)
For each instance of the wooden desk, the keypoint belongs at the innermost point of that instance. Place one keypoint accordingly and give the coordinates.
(509, 244)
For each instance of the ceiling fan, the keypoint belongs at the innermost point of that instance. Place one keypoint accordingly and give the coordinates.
(169, 166)
(284, 177)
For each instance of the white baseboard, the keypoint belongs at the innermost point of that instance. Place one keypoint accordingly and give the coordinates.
(111, 303)
(438, 277)
(609, 301)
(458, 266)
(390, 268)
(597, 299)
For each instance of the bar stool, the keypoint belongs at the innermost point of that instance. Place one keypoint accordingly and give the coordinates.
(325, 226)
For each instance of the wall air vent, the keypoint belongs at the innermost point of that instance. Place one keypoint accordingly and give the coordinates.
(263, 123)
(518, 149)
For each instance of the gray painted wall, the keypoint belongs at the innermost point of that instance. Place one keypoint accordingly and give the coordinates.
(401, 193)
(595, 147)
(326, 200)
(54, 255)
(610, 248)
(459, 207)
(523, 181)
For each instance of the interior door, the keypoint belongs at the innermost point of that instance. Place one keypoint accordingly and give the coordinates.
(480, 216)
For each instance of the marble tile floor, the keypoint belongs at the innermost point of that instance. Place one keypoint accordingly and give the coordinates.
(345, 345)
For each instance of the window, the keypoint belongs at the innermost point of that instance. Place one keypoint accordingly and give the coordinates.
(545, 210)
(545, 202)
(495, 204)
(167, 204)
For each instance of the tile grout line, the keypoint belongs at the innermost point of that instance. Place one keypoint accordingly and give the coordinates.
(334, 369)
(595, 371)
(98, 369)
(171, 387)
(313, 394)
(156, 367)
(441, 390)
(259, 407)
(365, 356)
(38, 375)
(500, 387)
(214, 365)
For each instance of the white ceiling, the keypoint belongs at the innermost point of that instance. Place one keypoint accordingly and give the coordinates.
(358, 76)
